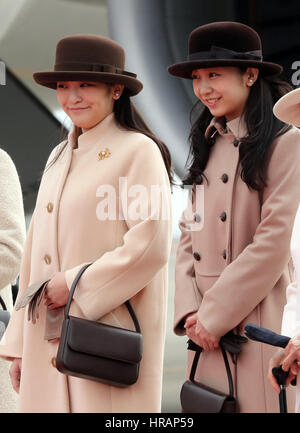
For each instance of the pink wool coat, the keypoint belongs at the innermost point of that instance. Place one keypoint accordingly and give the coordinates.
(236, 269)
(129, 255)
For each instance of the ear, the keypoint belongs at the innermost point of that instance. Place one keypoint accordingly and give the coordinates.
(117, 91)
(251, 76)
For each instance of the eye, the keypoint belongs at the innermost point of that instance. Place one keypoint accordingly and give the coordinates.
(61, 86)
(86, 85)
(195, 76)
(213, 74)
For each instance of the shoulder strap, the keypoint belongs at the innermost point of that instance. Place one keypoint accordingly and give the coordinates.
(72, 290)
(227, 366)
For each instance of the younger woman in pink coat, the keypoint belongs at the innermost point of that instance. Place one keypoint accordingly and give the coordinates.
(233, 255)
(104, 199)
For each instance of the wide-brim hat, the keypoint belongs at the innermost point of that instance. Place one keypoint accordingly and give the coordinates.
(224, 43)
(89, 58)
(287, 108)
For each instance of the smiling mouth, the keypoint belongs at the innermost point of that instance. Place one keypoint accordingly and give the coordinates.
(212, 101)
(77, 108)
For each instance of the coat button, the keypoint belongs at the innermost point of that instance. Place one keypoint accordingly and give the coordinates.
(200, 180)
(47, 259)
(235, 142)
(224, 178)
(223, 216)
(197, 218)
(197, 256)
(50, 207)
(224, 254)
(53, 362)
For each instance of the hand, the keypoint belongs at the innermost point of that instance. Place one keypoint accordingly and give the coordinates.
(57, 292)
(275, 361)
(196, 332)
(279, 359)
(292, 358)
(15, 373)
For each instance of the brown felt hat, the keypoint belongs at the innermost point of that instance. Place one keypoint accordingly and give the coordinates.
(89, 58)
(224, 43)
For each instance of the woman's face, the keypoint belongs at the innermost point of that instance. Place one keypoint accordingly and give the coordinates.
(87, 103)
(224, 90)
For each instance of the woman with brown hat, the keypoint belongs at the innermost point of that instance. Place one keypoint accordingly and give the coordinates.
(233, 255)
(95, 205)
(287, 109)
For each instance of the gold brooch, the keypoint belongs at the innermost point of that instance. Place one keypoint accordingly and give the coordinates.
(104, 154)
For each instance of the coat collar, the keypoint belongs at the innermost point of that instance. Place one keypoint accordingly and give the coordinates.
(235, 127)
(93, 135)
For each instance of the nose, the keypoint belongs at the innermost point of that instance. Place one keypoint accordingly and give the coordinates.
(202, 88)
(74, 95)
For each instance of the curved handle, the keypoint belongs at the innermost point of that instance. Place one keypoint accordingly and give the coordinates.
(198, 350)
(73, 287)
(72, 290)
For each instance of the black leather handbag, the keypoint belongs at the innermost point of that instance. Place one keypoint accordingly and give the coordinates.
(99, 352)
(198, 398)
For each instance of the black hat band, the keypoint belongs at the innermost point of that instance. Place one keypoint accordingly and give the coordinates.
(92, 67)
(226, 54)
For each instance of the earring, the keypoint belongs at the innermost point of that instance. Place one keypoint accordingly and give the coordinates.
(116, 95)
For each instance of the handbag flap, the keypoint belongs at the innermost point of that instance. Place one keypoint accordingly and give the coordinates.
(198, 398)
(103, 340)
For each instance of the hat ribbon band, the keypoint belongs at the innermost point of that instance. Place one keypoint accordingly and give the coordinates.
(92, 67)
(225, 54)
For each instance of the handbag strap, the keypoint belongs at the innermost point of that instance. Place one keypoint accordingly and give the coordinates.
(72, 290)
(227, 366)
(2, 303)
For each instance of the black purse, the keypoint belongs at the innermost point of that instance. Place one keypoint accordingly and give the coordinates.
(198, 398)
(99, 352)
(4, 317)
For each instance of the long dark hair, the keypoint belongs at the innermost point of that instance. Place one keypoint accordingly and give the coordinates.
(263, 127)
(130, 119)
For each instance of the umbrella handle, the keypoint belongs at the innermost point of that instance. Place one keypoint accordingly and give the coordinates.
(280, 375)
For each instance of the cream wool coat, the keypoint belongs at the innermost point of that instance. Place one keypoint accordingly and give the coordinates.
(243, 269)
(12, 238)
(130, 262)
